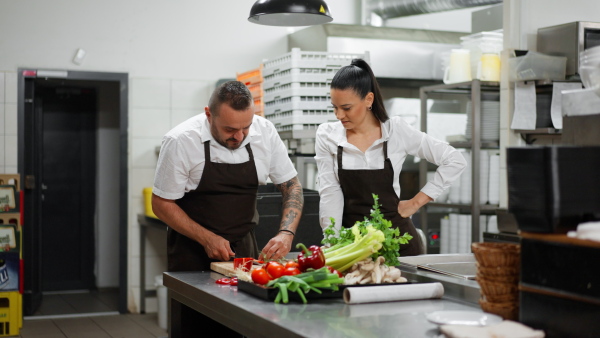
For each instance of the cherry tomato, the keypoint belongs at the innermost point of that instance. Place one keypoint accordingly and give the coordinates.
(234, 281)
(332, 270)
(275, 269)
(291, 271)
(292, 264)
(260, 276)
(223, 281)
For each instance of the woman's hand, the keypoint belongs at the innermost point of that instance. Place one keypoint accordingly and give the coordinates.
(409, 207)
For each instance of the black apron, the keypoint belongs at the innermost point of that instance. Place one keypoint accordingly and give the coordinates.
(225, 203)
(358, 185)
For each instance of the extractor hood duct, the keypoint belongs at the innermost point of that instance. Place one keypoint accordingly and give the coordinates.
(389, 9)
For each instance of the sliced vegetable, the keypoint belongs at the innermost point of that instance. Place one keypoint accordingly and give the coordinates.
(243, 263)
(310, 258)
(223, 281)
(234, 281)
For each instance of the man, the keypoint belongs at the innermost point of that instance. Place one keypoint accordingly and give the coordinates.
(206, 182)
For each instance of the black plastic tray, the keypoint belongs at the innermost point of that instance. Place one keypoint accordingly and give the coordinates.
(269, 293)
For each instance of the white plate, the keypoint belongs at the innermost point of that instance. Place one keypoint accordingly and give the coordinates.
(471, 318)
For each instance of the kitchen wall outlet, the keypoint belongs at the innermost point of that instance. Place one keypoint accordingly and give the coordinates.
(78, 58)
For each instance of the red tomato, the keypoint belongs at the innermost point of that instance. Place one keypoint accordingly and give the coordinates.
(275, 269)
(234, 281)
(292, 264)
(260, 276)
(223, 281)
(291, 271)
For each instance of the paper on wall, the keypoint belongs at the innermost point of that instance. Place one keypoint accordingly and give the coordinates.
(556, 108)
(525, 111)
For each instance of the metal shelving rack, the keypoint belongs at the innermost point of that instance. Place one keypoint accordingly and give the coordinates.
(474, 89)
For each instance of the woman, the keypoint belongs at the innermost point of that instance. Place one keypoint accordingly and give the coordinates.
(362, 154)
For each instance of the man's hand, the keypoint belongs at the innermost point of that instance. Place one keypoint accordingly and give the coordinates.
(292, 204)
(217, 247)
(278, 246)
(168, 211)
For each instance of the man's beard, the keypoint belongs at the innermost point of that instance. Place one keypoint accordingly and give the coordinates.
(224, 143)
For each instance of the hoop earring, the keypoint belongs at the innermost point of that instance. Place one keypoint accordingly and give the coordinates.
(370, 108)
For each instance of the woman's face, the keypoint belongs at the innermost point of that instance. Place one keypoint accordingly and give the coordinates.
(349, 108)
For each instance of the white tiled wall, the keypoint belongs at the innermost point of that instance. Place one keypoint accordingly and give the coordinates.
(8, 122)
(155, 106)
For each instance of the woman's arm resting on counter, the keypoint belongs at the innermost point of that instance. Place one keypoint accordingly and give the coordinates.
(169, 212)
(407, 208)
(292, 204)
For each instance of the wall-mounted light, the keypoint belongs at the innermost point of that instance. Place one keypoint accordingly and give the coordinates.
(290, 13)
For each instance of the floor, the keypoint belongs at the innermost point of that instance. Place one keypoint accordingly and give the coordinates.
(88, 315)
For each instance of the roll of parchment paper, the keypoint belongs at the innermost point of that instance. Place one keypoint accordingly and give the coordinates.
(392, 293)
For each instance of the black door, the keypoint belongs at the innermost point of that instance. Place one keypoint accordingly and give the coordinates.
(57, 154)
(68, 172)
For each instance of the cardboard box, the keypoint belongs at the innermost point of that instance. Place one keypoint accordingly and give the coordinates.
(11, 179)
(10, 238)
(13, 218)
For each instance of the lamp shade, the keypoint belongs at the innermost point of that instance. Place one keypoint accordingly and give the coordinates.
(290, 12)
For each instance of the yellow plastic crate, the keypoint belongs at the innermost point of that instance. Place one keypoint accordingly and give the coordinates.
(11, 313)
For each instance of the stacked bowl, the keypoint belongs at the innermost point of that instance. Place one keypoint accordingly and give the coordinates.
(589, 68)
(498, 277)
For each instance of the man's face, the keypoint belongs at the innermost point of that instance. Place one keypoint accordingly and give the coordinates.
(230, 127)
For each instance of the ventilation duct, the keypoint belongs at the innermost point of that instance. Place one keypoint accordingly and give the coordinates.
(389, 9)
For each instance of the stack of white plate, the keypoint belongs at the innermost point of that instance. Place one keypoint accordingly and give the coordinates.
(589, 68)
(490, 121)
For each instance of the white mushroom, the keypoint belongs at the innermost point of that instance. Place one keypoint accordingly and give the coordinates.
(377, 274)
(368, 267)
(365, 280)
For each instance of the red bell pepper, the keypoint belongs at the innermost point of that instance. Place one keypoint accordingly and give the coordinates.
(244, 263)
(311, 258)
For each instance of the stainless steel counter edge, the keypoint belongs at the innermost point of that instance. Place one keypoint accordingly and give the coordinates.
(255, 317)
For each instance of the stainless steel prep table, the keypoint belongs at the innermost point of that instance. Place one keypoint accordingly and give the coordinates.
(254, 317)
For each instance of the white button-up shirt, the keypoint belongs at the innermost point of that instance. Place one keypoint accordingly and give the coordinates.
(181, 159)
(402, 140)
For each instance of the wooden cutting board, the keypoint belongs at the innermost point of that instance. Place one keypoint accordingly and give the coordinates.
(224, 268)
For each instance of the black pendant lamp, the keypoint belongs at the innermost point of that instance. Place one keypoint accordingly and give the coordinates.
(290, 13)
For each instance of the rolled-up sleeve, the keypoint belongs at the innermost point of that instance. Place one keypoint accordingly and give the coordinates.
(331, 204)
(451, 162)
(171, 171)
(281, 168)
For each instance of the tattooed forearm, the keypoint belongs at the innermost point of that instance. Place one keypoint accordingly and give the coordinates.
(288, 220)
(291, 192)
(292, 204)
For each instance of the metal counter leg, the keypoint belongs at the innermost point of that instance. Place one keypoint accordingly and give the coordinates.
(186, 322)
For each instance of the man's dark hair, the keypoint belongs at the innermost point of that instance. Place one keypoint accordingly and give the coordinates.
(233, 93)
